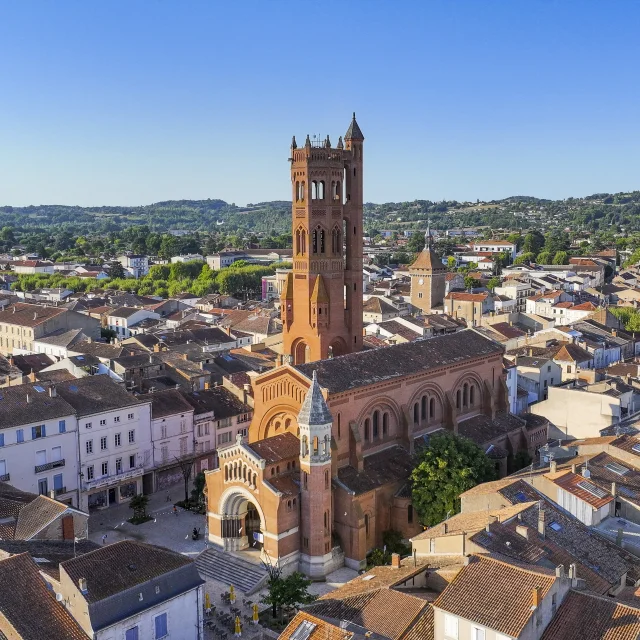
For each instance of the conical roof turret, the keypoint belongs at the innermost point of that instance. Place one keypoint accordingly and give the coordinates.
(353, 132)
(314, 410)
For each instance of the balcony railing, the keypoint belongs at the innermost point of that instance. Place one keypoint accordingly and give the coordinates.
(4, 478)
(60, 490)
(49, 465)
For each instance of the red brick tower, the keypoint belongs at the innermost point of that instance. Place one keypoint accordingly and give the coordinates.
(316, 519)
(322, 302)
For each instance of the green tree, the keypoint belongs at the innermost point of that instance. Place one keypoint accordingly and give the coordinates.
(544, 257)
(116, 270)
(139, 504)
(449, 466)
(471, 283)
(561, 257)
(197, 493)
(525, 258)
(533, 242)
(416, 242)
(493, 283)
(451, 262)
(282, 592)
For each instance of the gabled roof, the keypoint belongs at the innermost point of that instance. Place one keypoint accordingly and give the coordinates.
(584, 616)
(36, 515)
(495, 594)
(319, 293)
(30, 607)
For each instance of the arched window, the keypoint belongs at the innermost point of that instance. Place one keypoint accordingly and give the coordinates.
(458, 399)
(432, 408)
(423, 407)
(376, 420)
(366, 429)
(337, 194)
(226, 473)
(338, 426)
(326, 520)
(385, 424)
(465, 395)
(326, 479)
(301, 193)
(244, 473)
(472, 394)
(366, 524)
(314, 190)
(278, 469)
(416, 413)
(321, 190)
(273, 472)
(315, 446)
(303, 241)
(297, 191)
(314, 241)
(322, 241)
(305, 446)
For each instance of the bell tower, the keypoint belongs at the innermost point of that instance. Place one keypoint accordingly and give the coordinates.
(428, 278)
(316, 519)
(322, 299)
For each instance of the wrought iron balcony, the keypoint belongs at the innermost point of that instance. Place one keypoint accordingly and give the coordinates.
(49, 465)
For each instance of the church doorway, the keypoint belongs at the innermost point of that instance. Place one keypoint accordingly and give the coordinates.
(242, 525)
(300, 353)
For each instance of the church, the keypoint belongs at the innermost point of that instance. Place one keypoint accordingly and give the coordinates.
(323, 472)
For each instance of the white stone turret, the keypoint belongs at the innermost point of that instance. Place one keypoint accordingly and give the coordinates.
(315, 422)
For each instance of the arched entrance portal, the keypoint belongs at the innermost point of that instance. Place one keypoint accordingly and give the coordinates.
(242, 523)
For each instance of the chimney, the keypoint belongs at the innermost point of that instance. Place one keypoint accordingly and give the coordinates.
(445, 527)
(553, 466)
(573, 571)
(614, 489)
(89, 339)
(156, 348)
(28, 398)
(52, 494)
(542, 522)
(53, 392)
(82, 585)
(586, 473)
(574, 468)
(560, 571)
(11, 361)
(530, 351)
(522, 531)
(35, 315)
(536, 597)
(184, 356)
(246, 388)
(395, 560)
(207, 385)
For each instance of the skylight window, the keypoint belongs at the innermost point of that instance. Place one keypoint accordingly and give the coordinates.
(592, 489)
(616, 468)
(303, 630)
(520, 497)
(39, 389)
(636, 448)
(555, 526)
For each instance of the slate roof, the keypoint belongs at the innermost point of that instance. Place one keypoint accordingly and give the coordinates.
(133, 568)
(378, 365)
(584, 616)
(391, 465)
(314, 410)
(166, 403)
(12, 500)
(482, 428)
(30, 607)
(219, 400)
(16, 411)
(36, 515)
(32, 362)
(61, 338)
(506, 605)
(95, 394)
(276, 448)
(428, 260)
(353, 132)
(124, 312)
(376, 305)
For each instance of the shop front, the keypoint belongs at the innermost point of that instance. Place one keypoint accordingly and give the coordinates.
(116, 489)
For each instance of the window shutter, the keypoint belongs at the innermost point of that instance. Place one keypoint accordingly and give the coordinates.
(33, 433)
(44, 430)
(161, 626)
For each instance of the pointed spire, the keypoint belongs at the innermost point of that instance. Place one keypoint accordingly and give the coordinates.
(287, 292)
(328, 142)
(314, 410)
(307, 142)
(427, 235)
(294, 144)
(353, 132)
(340, 143)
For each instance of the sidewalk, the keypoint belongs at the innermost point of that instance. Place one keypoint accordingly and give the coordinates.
(166, 530)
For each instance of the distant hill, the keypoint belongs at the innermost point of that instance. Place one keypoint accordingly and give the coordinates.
(620, 211)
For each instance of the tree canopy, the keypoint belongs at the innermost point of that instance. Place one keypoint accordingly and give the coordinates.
(449, 466)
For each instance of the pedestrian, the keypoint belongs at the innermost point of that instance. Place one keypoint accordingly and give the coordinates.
(168, 497)
(104, 538)
(175, 510)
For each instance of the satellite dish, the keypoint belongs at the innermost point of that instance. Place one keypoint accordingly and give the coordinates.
(59, 597)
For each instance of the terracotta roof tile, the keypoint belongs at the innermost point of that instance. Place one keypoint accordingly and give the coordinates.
(321, 629)
(583, 616)
(276, 448)
(506, 606)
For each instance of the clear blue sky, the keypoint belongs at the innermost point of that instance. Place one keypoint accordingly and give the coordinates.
(132, 102)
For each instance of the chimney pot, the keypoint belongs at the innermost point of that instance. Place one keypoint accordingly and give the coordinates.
(53, 392)
(82, 585)
(560, 571)
(395, 560)
(52, 494)
(574, 468)
(28, 398)
(542, 522)
(553, 466)
(573, 571)
(614, 489)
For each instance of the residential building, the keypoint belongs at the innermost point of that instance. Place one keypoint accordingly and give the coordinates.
(113, 439)
(172, 438)
(30, 267)
(121, 320)
(495, 246)
(518, 290)
(132, 590)
(188, 257)
(136, 265)
(537, 375)
(38, 442)
(21, 324)
(469, 307)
